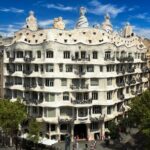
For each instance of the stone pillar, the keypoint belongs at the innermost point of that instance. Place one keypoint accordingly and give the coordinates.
(72, 131)
(88, 132)
(102, 130)
(58, 131)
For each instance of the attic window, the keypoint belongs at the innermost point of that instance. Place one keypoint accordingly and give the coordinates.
(20, 34)
(101, 40)
(29, 41)
(25, 39)
(44, 40)
(33, 35)
(65, 40)
(36, 41)
(60, 34)
(90, 41)
(41, 34)
(94, 33)
(103, 34)
(70, 35)
(75, 40)
(27, 33)
(84, 32)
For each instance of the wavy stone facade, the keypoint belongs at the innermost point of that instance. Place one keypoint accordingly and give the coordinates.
(75, 81)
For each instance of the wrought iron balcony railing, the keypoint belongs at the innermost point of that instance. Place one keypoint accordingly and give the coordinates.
(85, 101)
(29, 59)
(85, 86)
(87, 58)
(109, 58)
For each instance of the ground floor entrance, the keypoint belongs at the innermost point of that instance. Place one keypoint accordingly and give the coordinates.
(80, 131)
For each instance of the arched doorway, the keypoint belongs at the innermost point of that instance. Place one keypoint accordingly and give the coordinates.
(80, 131)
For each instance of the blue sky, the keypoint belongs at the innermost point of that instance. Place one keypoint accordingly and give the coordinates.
(14, 12)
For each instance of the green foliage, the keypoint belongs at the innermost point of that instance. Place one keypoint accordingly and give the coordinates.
(140, 113)
(34, 129)
(11, 115)
(114, 131)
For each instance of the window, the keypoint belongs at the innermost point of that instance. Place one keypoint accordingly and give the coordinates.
(66, 96)
(66, 54)
(19, 54)
(53, 127)
(28, 54)
(94, 55)
(50, 97)
(94, 82)
(136, 55)
(49, 82)
(50, 112)
(109, 81)
(83, 54)
(38, 54)
(90, 68)
(109, 110)
(94, 126)
(8, 54)
(69, 68)
(107, 55)
(18, 81)
(109, 95)
(64, 127)
(110, 68)
(36, 68)
(49, 54)
(66, 111)
(97, 110)
(94, 95)
(61, 67)
(127, 90)
(63, 82)
(49, 68)
(101, 68)
(18, 67)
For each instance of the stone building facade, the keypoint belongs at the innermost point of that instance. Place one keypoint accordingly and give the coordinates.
(3, 41)
(75, 81)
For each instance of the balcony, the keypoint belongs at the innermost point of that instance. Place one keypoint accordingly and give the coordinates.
(121, 96)
(11, 58)
(121, 71)
(27, 85)
(130, 59)
(121, 59)
(65, 119)
(143, 58)
(145, 69)
(109, 58)
(77, 87)
(28, 59)
(80, 73)
(120, 83)
(130, 70)
(133, 92)
(96, 117)
(27, 72)
(11, 69)
(8, 83)
(139, 79)
(87, 58)
(133, 81)
(86, 101)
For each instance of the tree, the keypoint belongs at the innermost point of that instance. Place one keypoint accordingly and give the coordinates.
(34, 130)
(11, 116)
(140, 113)
(114, 130)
